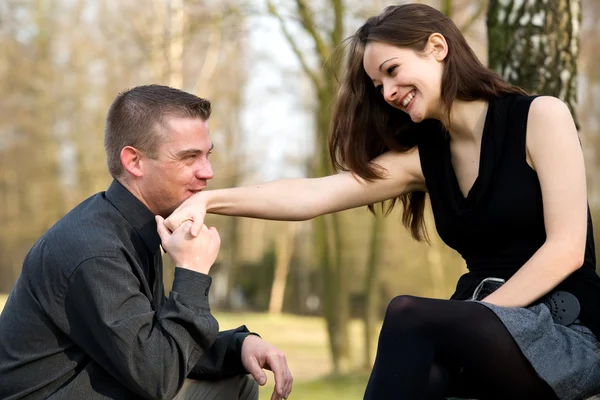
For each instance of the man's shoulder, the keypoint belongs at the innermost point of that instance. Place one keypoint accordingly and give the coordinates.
(94, 228)
(89, 231)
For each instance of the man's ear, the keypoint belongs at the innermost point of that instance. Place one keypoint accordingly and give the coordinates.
(438, 46)
(132, 161)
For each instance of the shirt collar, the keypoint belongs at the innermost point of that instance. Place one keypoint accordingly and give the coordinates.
(136, 213)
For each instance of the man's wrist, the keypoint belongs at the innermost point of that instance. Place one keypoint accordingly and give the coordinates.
(192, 286)
(203, 271)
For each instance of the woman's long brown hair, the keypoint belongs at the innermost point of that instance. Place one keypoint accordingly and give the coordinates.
(364, 126)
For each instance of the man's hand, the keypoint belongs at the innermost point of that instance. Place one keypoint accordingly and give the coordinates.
(195, 253)
(258, 354)
(193, 209)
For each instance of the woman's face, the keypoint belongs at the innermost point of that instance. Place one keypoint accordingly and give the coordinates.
(408, 81)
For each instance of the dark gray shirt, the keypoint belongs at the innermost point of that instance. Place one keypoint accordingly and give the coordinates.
(88, 317)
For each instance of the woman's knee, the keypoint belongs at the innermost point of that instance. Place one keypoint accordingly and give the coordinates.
(411, 315)
(402, 307)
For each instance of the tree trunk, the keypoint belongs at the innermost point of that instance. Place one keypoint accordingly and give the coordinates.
(535, 45)
(371, 288)
(335, 288)
(327, 39)
(284, 250)
(175, 22)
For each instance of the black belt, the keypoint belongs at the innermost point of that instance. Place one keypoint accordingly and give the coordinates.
(564, 306)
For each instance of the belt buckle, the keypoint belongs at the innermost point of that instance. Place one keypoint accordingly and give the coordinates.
(486, 287)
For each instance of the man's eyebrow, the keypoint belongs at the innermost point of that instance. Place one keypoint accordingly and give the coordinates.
(187, 152)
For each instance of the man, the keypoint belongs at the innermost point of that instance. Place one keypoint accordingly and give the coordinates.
(88, 317)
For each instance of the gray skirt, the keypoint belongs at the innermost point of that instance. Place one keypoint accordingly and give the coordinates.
(567, 357)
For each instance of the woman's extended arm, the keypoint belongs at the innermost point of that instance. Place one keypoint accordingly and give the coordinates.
(556, 155)
(306, 198)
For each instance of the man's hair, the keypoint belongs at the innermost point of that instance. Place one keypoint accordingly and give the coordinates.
(137, 116)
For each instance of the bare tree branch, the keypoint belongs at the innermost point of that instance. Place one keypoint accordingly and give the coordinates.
(301, 57)
(447, 8)
(211, 58)
(338, 27)
(309, 25)
(483, 5)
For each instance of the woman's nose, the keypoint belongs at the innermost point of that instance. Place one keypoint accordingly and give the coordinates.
(389, 94)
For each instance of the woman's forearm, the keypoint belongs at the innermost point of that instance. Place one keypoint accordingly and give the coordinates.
(284, 199)
(549, 266)
(305, 198)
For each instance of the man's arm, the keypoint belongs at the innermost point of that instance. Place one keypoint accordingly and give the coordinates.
(224, 358)
(150, 352)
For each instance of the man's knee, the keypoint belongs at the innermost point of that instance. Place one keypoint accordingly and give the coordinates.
(248, 388)
(240, 387)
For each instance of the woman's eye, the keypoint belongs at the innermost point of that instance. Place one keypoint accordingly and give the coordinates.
(391, 69)
(379, 88)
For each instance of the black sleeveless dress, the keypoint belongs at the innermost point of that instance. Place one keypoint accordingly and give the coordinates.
(499, 226)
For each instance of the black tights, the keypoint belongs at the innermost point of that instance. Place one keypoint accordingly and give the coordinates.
(430, 349)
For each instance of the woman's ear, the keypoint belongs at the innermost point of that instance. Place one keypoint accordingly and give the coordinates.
(438, 46)
(131, 159)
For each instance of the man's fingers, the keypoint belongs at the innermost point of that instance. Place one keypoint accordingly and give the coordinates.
(278, 365)
(290, 384)
(196, 228)
(287, 387)
(184, 227)
(275, 395)
(173, 223)
(162, 230)
(216, 235)
(257, 372)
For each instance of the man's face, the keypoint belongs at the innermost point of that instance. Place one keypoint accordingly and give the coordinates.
(181, 167)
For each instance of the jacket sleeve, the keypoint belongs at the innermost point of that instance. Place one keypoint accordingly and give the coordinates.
(149, 351)
(224, 358)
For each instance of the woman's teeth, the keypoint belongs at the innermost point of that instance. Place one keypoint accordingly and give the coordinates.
(408, 98)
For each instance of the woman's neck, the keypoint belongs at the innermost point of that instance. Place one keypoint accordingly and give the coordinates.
(467, 120)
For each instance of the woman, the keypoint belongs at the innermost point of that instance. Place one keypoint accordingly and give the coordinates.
(418, 113)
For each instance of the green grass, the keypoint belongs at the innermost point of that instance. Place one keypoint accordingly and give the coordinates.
(350, 387)
(304, 342)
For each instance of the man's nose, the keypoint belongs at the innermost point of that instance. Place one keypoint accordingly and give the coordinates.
(205, 171)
